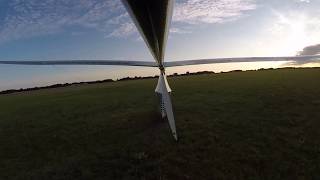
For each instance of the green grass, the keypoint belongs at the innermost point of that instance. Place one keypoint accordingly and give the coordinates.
(240, 125)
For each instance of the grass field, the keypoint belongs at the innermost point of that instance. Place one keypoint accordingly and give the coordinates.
(240, 125)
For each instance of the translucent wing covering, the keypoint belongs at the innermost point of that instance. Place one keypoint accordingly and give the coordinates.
(84, 62)
(295, 59)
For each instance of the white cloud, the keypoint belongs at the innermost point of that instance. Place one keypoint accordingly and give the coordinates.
(29, 18)
(124, 30)
(41, 17)
(179, 30)
(304, 1)
(211, 11)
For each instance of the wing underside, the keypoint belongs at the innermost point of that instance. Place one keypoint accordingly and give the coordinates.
(294, 59)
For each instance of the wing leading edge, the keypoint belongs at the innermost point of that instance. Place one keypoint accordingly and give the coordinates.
(295, 59)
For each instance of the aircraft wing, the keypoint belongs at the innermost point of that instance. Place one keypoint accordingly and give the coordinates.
(84, 62)
(297, 59)
(294, 59)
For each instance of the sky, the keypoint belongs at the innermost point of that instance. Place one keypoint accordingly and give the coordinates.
(102, 29)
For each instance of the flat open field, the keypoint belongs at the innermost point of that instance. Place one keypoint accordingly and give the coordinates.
(239, 125)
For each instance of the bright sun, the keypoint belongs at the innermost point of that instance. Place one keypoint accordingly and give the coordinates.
(289, 33)
(294, 33)
(297, 35)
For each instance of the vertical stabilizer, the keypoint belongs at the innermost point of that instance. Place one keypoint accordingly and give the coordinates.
(164, 90)
(152, 18)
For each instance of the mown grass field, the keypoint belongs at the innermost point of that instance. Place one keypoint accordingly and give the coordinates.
(240, 125)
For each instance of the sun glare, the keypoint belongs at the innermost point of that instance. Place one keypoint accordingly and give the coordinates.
(297, 37)
(291, 32)
(294, 31)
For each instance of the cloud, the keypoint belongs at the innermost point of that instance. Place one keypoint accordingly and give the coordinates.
(179, 30)
(30, 18)
(310, 50)
(25, 19)
(304, 1)
(307, 51)
(124, 30)
(211, 11)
